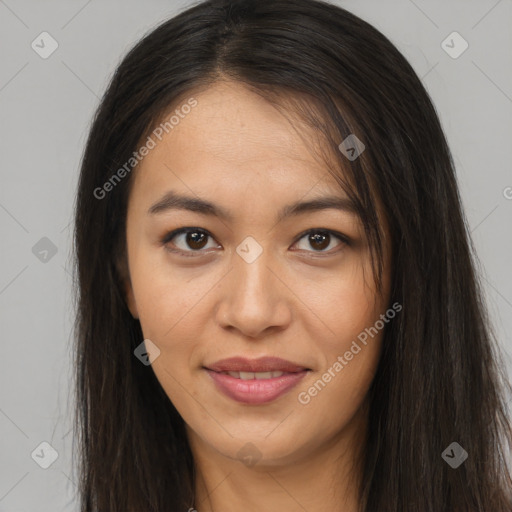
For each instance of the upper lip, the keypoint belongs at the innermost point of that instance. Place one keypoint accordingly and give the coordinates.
(262, 364)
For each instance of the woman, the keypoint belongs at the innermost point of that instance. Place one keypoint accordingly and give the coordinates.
(278, 307)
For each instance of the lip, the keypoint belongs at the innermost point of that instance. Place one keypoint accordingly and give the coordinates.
(255, 391)
(262, 364)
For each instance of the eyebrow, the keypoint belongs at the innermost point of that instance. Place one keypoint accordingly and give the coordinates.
(174, 201)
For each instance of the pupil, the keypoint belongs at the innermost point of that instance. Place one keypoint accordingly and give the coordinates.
(194, 240)
(319, 240)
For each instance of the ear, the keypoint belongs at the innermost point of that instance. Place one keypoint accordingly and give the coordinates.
(124, 275)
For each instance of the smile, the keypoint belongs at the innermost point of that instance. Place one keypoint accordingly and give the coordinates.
(254, 375)
(255, 387)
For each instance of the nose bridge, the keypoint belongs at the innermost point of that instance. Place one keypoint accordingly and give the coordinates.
(251, 274)
(255, 298)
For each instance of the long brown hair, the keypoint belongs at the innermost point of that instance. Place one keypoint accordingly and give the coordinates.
(438, 379)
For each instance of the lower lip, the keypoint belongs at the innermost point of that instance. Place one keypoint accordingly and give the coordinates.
(255, 391)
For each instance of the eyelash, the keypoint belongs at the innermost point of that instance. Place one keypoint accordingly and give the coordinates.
(194, 253)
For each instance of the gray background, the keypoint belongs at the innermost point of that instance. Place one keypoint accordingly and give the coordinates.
(46, 107)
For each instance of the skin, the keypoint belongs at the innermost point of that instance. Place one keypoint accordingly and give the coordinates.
(294, 301)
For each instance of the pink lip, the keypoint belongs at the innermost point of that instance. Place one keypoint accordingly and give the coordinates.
(255, 391)
(262, 364)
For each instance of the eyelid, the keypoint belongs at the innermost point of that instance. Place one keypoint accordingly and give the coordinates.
(184, 230)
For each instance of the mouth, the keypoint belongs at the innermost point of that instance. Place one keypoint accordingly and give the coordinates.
(261, 366)
(256, 381)
(254, 375)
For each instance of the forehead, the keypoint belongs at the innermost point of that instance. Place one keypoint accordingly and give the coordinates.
(236, 137)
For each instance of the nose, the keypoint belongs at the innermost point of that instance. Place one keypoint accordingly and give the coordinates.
(254, 301)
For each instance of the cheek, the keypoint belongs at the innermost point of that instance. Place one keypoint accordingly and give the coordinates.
(168, 309)
(167, 296)
(170, 320)
(350, 343)
(337, 391)
(346, 304)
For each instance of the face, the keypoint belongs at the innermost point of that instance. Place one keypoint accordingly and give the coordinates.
(237, 271)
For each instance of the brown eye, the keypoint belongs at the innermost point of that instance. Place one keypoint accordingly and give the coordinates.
(320, 239)
(196, 240)
(187, 240)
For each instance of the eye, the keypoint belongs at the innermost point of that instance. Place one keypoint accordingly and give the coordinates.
(191, 240)
(194, 240)
(321, 239)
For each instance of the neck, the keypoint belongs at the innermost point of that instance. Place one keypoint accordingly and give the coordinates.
(325, 477)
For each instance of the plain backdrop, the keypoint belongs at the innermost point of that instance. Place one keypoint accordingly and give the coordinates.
(46, 108)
